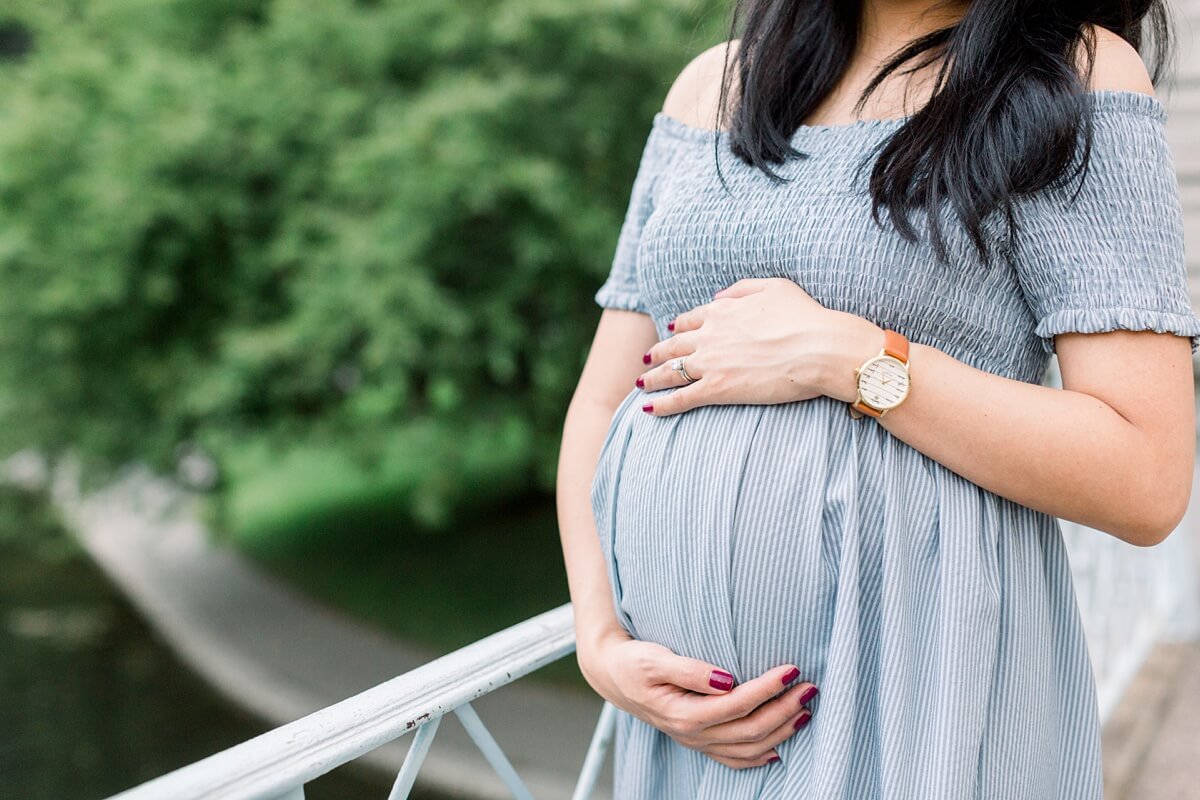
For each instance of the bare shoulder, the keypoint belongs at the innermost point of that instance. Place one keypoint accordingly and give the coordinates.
(1118, 65)
(695, 94)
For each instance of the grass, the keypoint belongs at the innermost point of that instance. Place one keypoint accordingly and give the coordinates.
(347, 539)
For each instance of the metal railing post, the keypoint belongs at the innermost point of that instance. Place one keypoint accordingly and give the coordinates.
(597, 750)
(491, 751)
(412, 760)
(273, 765)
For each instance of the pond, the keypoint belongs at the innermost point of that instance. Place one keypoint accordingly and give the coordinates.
(91, 702)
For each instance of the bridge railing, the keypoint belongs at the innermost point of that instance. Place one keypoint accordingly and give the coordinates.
(277, 764)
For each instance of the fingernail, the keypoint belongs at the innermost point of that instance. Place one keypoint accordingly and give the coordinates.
(809, 694)
(648, 408)
(641, 384)
(671, 325)
(791, 675)
(773, 759)
(646, 358)
(720, 679)
(803, 720)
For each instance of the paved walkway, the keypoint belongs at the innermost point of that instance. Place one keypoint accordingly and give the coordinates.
(282, 656)
(1152, 742)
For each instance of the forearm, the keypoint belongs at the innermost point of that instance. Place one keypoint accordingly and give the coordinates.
(587, 576)
(1062, 452)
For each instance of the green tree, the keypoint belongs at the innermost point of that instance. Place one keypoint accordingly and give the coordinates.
(320, 222)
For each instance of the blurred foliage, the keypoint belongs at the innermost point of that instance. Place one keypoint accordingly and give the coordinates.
(28, 523)
(348, 226)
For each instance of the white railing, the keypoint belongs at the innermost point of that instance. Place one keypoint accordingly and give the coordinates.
(277, 764)
(1130, 599)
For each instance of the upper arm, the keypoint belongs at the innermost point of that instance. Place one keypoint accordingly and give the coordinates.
(1105, 277)
(626, 329)
(1143, 375)
(614, 360)
(693, 100)
(1146, 377)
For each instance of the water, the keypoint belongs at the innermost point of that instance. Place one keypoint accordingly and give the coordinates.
(91, 703)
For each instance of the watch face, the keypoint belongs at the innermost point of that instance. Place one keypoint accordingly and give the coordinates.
(883, 382)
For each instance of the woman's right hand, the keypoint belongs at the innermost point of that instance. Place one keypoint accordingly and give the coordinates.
(694, 702)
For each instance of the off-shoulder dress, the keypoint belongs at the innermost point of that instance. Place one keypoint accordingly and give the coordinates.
(937, 618)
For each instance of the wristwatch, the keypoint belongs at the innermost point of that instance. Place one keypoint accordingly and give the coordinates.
(883, 379)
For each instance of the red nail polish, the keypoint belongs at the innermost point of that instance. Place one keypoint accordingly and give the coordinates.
(671, 325)
(809, 694)
(720, 679)
(791, 675)
(641, 384)
(803, 720)
(646, 358)
(649, 407)
(773, 759)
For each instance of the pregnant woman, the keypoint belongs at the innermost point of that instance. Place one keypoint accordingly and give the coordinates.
(810, 477)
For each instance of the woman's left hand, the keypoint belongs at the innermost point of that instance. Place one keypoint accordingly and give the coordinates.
(761, 341)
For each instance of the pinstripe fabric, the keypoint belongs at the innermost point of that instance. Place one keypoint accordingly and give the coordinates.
(937, 618)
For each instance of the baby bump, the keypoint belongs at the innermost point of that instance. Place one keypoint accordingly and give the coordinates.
(721, 527)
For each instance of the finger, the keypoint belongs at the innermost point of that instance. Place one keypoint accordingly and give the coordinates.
(745, 763)
(666, 349)
(743, 287)
(691, 673)
(743, 699)
(763, 747)
(665, 376)
(682, 399)
(764, 720)
(689, 320)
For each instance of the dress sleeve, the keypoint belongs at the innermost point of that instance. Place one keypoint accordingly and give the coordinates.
(621, 290)
(1113, 256)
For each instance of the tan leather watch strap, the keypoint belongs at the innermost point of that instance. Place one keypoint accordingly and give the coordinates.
(895, 344)
(862, 408)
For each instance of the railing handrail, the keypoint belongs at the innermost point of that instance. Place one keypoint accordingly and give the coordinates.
(273, 764)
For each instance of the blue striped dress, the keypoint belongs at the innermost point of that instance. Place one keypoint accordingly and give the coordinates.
(937, 618)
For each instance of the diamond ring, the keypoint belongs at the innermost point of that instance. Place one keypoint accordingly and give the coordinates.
(677, 365)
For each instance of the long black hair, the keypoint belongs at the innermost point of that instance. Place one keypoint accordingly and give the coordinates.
(1005, 117)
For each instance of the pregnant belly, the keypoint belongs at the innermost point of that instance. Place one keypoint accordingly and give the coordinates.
(729, 531)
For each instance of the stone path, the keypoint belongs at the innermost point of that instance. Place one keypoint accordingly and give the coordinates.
(1152, 742)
